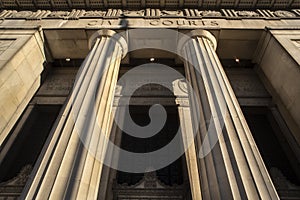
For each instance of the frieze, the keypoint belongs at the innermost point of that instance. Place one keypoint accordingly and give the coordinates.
(135, 13)
(247, 14)
(59, 14)
(94, 13)
(150, 13)
(210, 13)
(283, 13)
(176, 13)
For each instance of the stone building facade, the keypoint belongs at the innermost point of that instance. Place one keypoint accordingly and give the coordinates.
(74, 74)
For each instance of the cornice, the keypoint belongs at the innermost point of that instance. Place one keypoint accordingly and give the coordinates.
(129, 4)
(149, 13)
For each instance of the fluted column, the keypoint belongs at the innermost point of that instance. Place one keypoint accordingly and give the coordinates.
(66, 168)
(233, 169)
(190, 153)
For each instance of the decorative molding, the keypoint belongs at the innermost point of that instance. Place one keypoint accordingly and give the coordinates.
(151, 188)
(11, 189)
(175, 4)
(150, 13)
(21, 178)
(149, 181)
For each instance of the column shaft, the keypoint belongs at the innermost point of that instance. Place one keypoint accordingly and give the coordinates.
(70, 167)
(190, 154)
(110, 174)
(233, 168)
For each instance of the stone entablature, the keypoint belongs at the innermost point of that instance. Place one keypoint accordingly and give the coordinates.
(151, 13)
(131, 4)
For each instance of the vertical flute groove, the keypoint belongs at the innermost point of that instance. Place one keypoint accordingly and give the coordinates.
(72, 172)
(235, 153)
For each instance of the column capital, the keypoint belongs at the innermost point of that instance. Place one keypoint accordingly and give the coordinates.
(198, 33)
(109, 33)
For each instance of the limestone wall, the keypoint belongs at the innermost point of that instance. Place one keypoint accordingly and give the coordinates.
(279, 65)
(21, 63)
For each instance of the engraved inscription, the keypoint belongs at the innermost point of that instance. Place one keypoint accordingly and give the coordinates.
(182, 22)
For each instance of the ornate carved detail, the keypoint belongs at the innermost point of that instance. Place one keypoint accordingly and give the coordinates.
(94, 13)
(146, 13)
(247, 14)
(21, 178)
(283, 13)
(180, 88)
(172, 13)
(282, 4)
(210, 13)
(12, 189)
(150, 180)
(22, 14)
(149, 188)
(182, 85)
(137, 13)
(59, 14)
